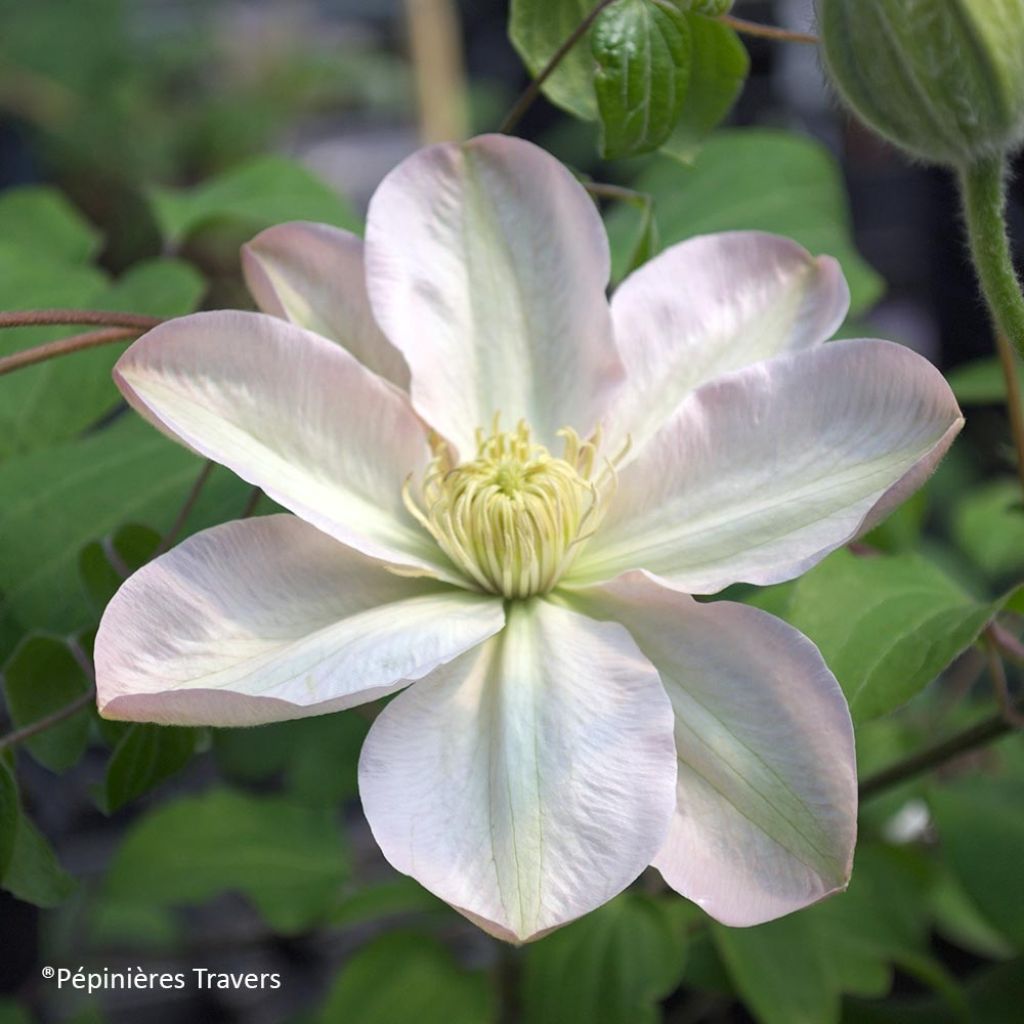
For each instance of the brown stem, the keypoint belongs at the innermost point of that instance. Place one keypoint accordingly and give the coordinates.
(43, 317)
(186, 508)
(255, 496)
(532, 91)
(1014, 405)
(997, 670)
(986, 731)
(603, 191)
(754, 28)
(12, 739)
(63, 347)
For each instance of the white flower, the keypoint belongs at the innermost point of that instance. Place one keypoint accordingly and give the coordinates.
(504, 491)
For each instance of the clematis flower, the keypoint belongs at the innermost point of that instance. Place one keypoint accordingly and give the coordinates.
(504, 492)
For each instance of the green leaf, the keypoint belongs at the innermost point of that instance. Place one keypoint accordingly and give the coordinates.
(537, 29)
(127, 473)
(758, 179)
(781, 971)
(610, 967)
(60, 398)
(105, 564)
(407, 977)
(41, 677)
(288, 859)
(12, 1013)
(264, 191)
(719, 68)
(10, 813)
(401, 895)
(988, 526)
(145, 756)
(318, 756)
(40, 220)
(982, 835)
(886, 625)
(33, 872)
(980, 382)
(642, 243)
(642, 51)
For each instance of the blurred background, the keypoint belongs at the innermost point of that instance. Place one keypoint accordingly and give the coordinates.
(163, 133)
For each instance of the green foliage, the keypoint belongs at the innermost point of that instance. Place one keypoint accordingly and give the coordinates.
(980, 382)
(127, 472)
(988, 526)
(29, 869)
(41, 221)
(144, 757)
(41, 677)
(642, 51)
(263, 191)
(886, 625)
(287, 859)
(650, 71)
(755, 179)
(408, 977)
(982, 835)
(611, 967)
(317, 756)
(103, 565)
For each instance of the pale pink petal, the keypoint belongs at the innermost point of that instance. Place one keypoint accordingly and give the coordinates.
(486, 266)
(530, 780)
(313, 275)
(761, 473)
(293, 413)
(766, 813)
(267, 619)
(714, 304)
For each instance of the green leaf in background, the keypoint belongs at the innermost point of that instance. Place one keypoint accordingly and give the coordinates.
(982, 835)
(60, 398)
(407, 977)
(263, 191)
(980, 382)
(757, 179)
(401, 895)
(988, 526)
(317, 756)
(12, 1013)
(33, 873)
(719, 67)
(642, 51)
(610, 967)
(40, 220)
(104, 565)
(781, 971)
(537, 29)
(53, 502)
(10, 812)
(144, 757)
(887, 625)
(41, 677)
(287, 858)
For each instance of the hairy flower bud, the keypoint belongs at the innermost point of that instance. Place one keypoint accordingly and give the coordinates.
(942, 79)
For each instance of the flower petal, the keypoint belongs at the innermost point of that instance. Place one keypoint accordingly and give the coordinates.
(530, 780)
(267, 619)
(313, 275)
(766, 815)
(761, 473)
(486, 265)
(714, 304)
(293, 413)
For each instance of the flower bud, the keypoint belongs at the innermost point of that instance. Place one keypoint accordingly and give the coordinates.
(942, 79)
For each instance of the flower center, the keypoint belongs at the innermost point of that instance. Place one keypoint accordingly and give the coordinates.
(514, 518)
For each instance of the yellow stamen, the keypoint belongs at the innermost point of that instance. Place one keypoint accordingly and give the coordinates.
(513, 518)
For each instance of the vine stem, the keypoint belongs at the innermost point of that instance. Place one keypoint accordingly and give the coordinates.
(755, 28)
(64, 347)
(532, 91)
(983, 188)
(105, 318)
(18, 736)
(186, 508)
(984, 732)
